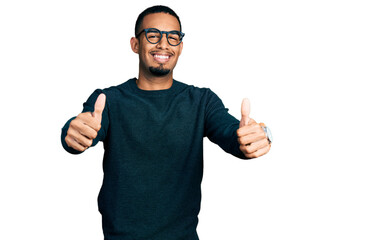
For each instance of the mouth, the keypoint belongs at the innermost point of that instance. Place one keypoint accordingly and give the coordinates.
(161, 57)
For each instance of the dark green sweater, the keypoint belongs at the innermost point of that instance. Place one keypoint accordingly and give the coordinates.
(153, 160)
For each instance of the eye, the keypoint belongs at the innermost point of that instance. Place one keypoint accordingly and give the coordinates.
(174, 36)
(153, 35)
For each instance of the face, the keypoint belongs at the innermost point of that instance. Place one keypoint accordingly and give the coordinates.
(157, 59)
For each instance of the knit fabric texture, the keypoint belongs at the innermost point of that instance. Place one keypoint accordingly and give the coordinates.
(153, 159)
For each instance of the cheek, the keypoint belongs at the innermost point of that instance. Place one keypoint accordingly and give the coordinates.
(176, 57)
(144, 54)
(142, 50)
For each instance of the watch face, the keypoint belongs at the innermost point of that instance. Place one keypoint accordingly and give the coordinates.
(268, 133)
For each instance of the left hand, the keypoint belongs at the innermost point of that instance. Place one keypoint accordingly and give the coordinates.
(252, 138)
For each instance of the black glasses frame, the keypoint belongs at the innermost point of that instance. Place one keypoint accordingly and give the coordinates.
(181, 35)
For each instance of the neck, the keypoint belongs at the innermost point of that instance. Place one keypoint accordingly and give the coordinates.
(151, 83)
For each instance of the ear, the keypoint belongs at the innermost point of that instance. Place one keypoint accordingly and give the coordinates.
(134, 42)
(181, 47)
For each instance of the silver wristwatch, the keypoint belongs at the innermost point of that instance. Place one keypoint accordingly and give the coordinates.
(268, 133)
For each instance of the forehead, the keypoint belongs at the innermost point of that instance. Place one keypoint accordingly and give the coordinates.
(162, 21)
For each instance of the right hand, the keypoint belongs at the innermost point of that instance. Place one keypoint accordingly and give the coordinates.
(84, 128)
(251, 137)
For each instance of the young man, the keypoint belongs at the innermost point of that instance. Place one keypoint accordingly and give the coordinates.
(152, 128)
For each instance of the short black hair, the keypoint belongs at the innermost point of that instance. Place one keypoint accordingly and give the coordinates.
(155, 9)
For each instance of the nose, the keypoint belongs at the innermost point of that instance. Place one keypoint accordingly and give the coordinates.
(163, 43)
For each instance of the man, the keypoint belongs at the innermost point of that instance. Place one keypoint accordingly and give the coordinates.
(152, 128)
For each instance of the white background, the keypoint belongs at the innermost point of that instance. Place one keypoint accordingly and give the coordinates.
(301, 63)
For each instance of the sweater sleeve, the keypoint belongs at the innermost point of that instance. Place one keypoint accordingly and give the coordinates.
(221, 127)
(88, 106)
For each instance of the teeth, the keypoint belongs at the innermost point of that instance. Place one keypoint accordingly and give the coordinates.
(161, 56)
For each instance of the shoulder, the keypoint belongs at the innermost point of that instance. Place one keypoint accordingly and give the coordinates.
(112, 93)
(196, 91)
(116, 92)
(203, 96)
(118, 88)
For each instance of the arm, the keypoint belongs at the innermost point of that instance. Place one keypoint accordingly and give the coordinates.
(244, 139)
(221, 127)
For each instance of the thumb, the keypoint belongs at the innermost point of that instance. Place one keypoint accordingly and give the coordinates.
(99, 106)
(245, 112)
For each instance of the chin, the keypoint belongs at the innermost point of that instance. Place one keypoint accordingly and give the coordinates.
(159, 71)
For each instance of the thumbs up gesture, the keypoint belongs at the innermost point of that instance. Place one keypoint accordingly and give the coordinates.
(251, 137)
(84, 128)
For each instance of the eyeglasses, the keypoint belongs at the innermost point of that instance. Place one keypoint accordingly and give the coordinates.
(154, 36)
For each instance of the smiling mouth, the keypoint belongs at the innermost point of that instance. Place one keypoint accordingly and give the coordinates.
(161, 58)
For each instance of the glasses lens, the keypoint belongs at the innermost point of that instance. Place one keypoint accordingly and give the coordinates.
(153, 35)
(174, 38)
